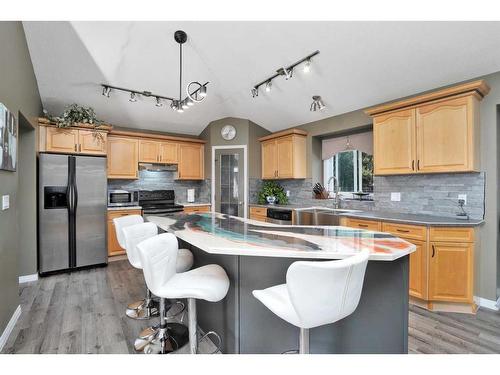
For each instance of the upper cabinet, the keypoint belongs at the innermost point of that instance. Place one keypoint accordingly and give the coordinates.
(151, 151)
(431, 133)
(191, 165)
(123, 158)
(72, 141)
(284, 155)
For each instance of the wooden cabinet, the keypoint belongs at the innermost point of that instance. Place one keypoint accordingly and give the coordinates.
(258, 213)
(394, 143)
(123, 157)
(195, 209)
(445, 136)
(113, 245)
(61, 140)
(431, 133)
(74, 141)
(157, 152)
(284, 155)
(92, 144)
(451, 271)
(191, 165)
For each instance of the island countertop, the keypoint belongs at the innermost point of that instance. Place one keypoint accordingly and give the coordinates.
(222, 234)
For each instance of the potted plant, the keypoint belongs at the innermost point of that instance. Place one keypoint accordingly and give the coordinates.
(74, 115)
(272, 192)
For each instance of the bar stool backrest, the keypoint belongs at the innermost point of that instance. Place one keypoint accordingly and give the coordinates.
(325, 292)
(122, 222)
(158, 258)
(135, 234)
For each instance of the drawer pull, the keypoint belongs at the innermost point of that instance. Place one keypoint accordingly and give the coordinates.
(403, 230)
(363, 225)
(433, 251)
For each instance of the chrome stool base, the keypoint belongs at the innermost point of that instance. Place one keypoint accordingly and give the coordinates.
(136, 305)
(144, 312)
(167, 340)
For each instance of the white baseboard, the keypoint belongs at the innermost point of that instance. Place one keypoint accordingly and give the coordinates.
(10, 326)
(487, 303)
(28, 278)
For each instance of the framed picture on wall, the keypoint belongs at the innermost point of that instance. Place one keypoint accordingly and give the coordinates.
(8, 140)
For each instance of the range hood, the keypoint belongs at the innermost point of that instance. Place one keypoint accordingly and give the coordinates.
(158, 167)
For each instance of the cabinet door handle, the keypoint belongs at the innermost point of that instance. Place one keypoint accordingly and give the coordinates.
(363, 225)
(403, 230)
(413, 165)
(76, 147)
(80, 147)
(418, 165)
(433, 251)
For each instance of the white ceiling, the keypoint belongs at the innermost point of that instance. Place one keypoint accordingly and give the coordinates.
(360, 64)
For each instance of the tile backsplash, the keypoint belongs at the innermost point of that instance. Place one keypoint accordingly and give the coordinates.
(149, 180)
(432, 194)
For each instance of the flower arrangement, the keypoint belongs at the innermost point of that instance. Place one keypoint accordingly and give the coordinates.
(272, 189)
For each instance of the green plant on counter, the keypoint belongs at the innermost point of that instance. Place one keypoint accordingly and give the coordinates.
(272, 188)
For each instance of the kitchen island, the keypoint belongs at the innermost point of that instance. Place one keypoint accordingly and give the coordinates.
(257, 255)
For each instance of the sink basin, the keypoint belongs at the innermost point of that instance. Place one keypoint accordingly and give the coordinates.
(319, 216)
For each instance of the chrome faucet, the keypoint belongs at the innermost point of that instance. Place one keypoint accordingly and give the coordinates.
(336, 200)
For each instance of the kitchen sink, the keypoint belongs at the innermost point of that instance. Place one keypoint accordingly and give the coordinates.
(319, 216)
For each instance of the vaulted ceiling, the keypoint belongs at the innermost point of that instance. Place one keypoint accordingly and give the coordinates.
(360, 64)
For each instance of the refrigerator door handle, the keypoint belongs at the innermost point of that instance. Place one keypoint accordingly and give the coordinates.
(72, 204)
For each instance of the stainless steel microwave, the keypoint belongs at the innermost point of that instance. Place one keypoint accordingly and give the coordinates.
(123, 198)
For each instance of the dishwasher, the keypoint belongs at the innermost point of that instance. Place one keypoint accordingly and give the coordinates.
(279, 216)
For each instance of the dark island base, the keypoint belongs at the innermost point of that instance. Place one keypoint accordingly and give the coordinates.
(379, 324)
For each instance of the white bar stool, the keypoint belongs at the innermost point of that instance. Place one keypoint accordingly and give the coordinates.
(210, 283)
(133, 235)
(317, 293)
(147, 307)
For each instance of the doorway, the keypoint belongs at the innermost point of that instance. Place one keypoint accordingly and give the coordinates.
(229, 183)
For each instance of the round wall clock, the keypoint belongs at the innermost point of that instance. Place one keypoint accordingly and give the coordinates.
(228, 132)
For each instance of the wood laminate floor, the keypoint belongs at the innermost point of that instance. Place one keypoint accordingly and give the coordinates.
(83, 312)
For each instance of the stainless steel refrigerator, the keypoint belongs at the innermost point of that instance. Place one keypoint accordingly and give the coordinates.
(71, 212)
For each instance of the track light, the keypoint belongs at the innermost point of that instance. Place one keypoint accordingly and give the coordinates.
(268, 86)
(189, 102)
(307, 66)
(184, 105)
(173, 105)
(106, 90)
(288, 73)
(317, 104)
(158, 102)
(133, 97)
(180, 109)
(255, 92)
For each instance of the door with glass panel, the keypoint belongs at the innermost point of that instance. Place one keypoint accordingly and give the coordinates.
(229, 180)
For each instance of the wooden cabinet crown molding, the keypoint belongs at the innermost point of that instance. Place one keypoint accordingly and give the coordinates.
(283, 134)
(102, 127)
(154, 136)
(478, 88)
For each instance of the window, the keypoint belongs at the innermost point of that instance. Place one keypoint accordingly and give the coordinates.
(353, 170)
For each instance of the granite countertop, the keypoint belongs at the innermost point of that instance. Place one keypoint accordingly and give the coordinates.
(218, 233)
(396, 217)
(193, 204)
(124, 208)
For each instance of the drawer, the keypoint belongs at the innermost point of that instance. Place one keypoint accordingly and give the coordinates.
(414, 232)
(364, 224)
(259, 211)
(191, 209)
(114, 214)
(258, 217)
(451, 234)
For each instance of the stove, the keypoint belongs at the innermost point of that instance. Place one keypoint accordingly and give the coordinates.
(159, 202)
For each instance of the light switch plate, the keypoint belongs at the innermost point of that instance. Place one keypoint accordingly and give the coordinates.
(463, 197)
(5, 202)
(396, 197)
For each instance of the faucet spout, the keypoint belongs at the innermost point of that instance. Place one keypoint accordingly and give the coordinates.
(336, 200)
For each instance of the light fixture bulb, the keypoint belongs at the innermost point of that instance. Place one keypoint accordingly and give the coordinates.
(307, 66)
(133, 97)
(189, 102)
(180, 109)
(203, 91)
(158, 102)
(184, 105)
(268, 86)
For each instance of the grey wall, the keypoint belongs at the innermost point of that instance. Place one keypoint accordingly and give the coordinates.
(165, 181)
(19, 92)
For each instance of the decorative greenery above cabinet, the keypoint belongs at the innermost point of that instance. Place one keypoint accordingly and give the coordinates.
(436, 132)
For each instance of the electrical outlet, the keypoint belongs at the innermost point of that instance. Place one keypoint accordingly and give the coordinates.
(5, 202)
(396, 197)
(288, 193)
(463, 197)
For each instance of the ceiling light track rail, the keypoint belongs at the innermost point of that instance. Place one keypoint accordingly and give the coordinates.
(287, 72)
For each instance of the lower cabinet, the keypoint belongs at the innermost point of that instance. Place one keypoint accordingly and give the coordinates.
(192, 209)
(418, 270)
(362, 224)
(113, 245)
(258, 213)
